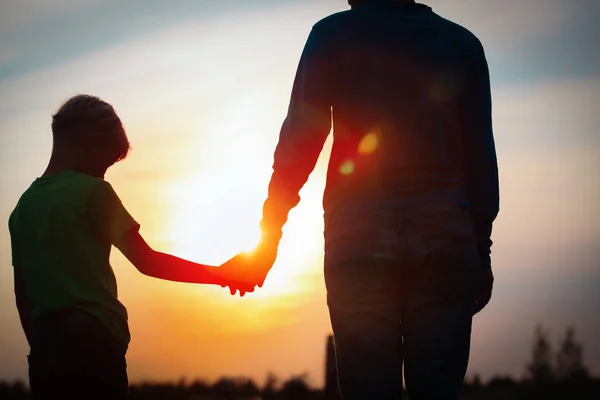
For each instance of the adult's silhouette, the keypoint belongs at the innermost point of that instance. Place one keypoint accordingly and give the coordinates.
(411, 194)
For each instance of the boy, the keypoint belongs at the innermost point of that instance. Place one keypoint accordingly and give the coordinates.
(62, 230)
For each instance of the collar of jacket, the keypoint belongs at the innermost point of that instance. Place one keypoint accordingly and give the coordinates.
(394, 5)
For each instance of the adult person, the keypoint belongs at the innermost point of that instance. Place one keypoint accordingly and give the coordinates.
(411, 193)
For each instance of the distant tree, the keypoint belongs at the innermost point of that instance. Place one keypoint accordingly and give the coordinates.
(501, 382)
(476, 383)
(296, 388)
(269, 391)
(13, 391)
(569, 360)
(247, 388)
(182, 383)
(199, 387)
(540, 367)
(224, 389)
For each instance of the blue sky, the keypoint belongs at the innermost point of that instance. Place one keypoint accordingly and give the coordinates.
(539, 38)
(187, 70)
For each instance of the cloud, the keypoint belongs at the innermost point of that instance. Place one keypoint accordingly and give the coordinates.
(497, 23)
(532, 41)
(81, 27)
(548, 149)
(27, 27)
(525, 40)
(557, 114)
(18, 15)
(179, 78)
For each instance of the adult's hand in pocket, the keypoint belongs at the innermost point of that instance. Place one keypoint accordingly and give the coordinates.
(485, 290)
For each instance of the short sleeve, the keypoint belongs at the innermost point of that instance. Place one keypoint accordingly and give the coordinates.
(107, 215)
(16, 255)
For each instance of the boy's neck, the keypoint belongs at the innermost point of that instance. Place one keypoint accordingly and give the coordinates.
(59, 163)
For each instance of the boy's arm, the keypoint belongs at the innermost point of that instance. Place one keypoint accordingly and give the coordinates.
(19, 281)
(114, 225)
(165, 266)
(22, 303)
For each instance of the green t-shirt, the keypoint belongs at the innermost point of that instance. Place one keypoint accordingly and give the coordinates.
(62, 231)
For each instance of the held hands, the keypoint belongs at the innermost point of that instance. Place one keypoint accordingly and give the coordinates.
(232, 275)
(246, 270)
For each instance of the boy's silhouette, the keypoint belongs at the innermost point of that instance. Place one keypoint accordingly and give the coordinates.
(62, 231)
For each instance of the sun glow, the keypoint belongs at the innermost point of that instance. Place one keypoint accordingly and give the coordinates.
(212, 225)
(216, 210)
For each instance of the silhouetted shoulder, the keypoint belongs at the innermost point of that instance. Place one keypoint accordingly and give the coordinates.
(468, 38)
(352, 19)
(333, 19)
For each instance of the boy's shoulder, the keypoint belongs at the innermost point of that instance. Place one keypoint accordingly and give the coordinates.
(66, 187)
(64, 183)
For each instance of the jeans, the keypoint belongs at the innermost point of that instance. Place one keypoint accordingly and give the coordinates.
(73, 356)
(401, 287)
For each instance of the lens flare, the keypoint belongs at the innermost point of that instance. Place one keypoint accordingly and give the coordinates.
(369, 143)
(347, 167)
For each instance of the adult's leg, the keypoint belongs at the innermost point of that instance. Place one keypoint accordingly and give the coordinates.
(361, 295)
(442, 277)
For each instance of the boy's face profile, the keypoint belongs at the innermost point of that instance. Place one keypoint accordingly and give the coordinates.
(89, 135)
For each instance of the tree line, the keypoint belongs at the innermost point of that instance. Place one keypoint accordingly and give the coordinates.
(551, 373)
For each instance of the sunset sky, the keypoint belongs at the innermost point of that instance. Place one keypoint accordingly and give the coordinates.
(203, 87)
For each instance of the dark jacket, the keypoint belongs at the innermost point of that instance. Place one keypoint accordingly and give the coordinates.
(408, 93)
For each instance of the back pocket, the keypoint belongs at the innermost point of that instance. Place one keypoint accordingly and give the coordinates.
(446, 233)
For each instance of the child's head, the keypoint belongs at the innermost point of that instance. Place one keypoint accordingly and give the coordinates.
(88, 131)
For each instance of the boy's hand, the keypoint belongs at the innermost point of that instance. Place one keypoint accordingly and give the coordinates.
(235, 274)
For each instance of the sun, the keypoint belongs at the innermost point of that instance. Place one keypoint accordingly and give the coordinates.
(213, 217)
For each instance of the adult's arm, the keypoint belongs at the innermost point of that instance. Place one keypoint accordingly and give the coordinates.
(482, 166)
(302, 135)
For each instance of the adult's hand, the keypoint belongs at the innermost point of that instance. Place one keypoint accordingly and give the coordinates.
(232, 274)
(485, 290)
(263, 258)
(246, 270)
